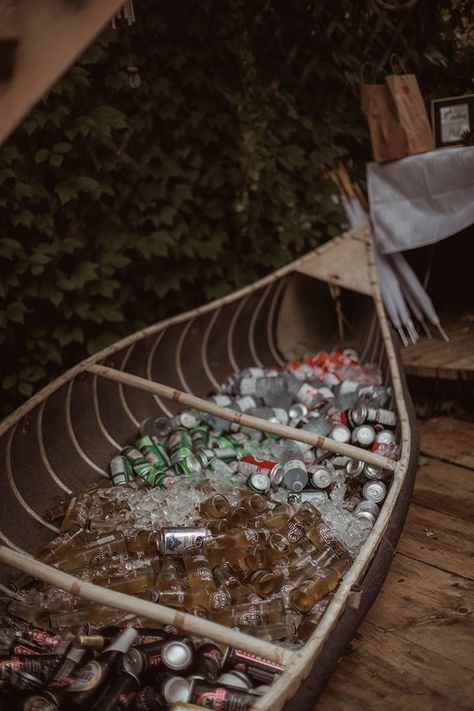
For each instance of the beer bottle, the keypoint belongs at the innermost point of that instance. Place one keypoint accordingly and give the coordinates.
(255, 504)
(300, 523)
(240, 537)
(168, 578)
(77, 514)
(248, 558)
(90, 679)
(92, 553)
(265, 582)
(250, 614)
(132, 582)
(239, 517)
(198, 570)
(215, 507)
(312, 619)
(304, 596)
(231, 584)
(275, 518)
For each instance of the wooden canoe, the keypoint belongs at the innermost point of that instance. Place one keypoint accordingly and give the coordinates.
(65, 435)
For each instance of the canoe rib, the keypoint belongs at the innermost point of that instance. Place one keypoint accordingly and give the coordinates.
(117, 409)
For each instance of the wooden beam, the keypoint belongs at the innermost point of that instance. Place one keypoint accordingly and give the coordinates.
(52, 34)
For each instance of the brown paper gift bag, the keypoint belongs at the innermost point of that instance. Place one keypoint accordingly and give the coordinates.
(388, 139)
(410, 108)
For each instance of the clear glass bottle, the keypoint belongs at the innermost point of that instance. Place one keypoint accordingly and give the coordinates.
(216, 506)
(295, 476)
(168, 577)
(266, 612)
(299, 524)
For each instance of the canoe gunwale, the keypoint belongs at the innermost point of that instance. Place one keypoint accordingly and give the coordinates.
(342, 616)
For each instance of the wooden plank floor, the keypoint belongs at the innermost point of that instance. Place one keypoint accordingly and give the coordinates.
(415, 648)
(445, 361)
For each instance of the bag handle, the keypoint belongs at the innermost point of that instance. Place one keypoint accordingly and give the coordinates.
(362, 73)
(397, 64)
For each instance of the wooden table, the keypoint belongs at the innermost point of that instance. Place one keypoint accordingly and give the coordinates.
(415, 648)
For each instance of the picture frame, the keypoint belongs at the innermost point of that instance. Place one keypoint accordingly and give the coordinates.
(450, 117)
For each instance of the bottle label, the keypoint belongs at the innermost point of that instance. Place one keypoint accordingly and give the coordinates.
(88, 678)
(218, 600)
(251, 535)
(295, 532)
(250, 618)
(203, 573)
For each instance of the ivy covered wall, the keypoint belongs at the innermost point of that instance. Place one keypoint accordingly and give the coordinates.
(120, 206)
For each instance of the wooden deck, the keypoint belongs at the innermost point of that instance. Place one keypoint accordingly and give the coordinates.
(415, 648)
(444, 361)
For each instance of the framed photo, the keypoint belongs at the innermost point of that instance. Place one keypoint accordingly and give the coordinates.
(450, 118)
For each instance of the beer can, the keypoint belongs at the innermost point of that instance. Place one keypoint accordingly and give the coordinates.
(340, 433)
(133, 455)
(120, 470)
(260, 670)
(354, 468)
(374, 491)
(176, 689)
(321, 477)
(385, 437)
(179, 443)
(259, 483)
(236, 679)
(177, 655)
(158, 427)
(207, 660)
(173, 541)
(185, 419)
(316, 496)
(188, 464)
(363, 435)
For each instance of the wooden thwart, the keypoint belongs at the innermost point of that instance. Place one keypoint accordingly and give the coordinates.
(257, 423)
(160, 613)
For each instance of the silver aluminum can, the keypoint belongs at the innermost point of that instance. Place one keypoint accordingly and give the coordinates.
(259, 483)
(177, 655)
(321, 477)
(236, 679)
(354, 468)
(184, 419)
(368, 506)
(376, 473)
(364, 435)
(173, 541)
(385, 437)
(176, 689)
(340, 433)
(374, 491)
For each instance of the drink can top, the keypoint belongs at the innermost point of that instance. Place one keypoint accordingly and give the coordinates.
(366, 516)
(176, 655)
(175, 689)
(372, 472)
(364, 435)
(187, 419)
(321, 477)
(374, 491)
(340, 433)
(384, 437)
(354, 467)
(134, 662)
(358, 414)
(258, 482)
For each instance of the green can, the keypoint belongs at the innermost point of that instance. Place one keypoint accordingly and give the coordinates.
(145, 470)
(188, 465)
(179, 444)
(133, 455)
(200, 436)
(161, 479)
(154, 454)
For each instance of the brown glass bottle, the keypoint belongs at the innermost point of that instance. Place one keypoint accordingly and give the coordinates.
(276, 518)
(306, 517)
(254, 503)
(265, 582)
(77, 514)
(266, 612)
(225, 577)
(248, 558)
(312, 619)
(216, 506)
(240, 537)
(168, 577)
(307, 594)
(238, 517)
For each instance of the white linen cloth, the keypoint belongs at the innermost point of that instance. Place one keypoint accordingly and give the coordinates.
(419, 200)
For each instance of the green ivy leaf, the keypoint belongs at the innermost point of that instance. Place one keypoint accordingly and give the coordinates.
(42, 155)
